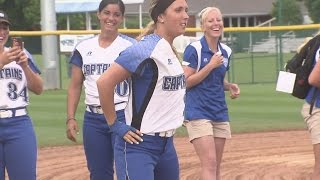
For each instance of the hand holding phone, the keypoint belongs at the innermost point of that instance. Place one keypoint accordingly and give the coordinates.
(17, 41)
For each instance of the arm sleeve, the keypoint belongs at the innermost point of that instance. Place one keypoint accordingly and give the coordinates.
(32, 63)
(132, 59)
(190, 57)
(76, 58)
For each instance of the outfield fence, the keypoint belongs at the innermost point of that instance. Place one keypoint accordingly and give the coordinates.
(258, 52)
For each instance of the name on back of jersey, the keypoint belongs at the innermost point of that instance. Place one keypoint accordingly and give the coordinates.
(95, 69)
(174, 83)
(11, 73)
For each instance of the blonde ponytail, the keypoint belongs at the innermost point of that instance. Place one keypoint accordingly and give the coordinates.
(176, 53)
(147, 30)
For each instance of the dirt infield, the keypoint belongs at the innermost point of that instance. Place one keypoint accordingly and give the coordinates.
(259, 156)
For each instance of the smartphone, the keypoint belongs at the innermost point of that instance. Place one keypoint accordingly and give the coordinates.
(17, 41)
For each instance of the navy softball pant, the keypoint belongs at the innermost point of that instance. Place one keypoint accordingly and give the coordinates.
(98, 144)
(18, 148)
(153, 159)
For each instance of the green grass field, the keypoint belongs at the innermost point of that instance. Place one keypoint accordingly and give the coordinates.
(259, 108)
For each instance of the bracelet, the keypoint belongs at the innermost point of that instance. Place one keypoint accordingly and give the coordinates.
(69, 119)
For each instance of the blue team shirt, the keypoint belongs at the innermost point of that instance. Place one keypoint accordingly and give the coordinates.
(206, 100)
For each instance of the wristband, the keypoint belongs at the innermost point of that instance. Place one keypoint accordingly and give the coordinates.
(120, 128)
(69, 119)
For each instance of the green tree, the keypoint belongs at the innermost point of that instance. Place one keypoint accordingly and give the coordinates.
(313, 7)
(290, 12)
(132, 22)
(23, 14)
(77, 21)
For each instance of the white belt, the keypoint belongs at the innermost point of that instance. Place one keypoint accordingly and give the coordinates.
(95, 109)
(168, 133)
(98, 109)
(120, 106)
(8, 113)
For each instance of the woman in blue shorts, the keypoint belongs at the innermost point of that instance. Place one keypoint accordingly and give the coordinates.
(144, 146)
(18, 75)
(91, 57)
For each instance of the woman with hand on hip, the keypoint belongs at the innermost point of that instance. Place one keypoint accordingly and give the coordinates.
(205, 64)
(18, 74)
(144, 146)
(89, 60)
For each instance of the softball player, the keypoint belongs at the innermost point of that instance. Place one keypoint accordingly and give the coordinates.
(90, 59)
(205, 64)
(18, 74)
(312, 120)
(144, 146)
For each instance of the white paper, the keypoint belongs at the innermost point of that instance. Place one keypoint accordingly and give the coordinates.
(285, 82)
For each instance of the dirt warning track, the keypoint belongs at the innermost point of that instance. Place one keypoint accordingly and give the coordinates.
(256, 156)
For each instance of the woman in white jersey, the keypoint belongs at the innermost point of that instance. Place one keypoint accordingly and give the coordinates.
(144, 146)
(89, 60)
(205, 64)
(18, 74)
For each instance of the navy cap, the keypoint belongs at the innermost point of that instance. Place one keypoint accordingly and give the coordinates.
(4, 18)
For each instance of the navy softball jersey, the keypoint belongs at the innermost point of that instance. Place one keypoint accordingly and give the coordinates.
(206, 100)
(18, 145)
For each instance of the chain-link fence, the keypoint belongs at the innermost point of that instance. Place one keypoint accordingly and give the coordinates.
(258, 56)
(258, 53)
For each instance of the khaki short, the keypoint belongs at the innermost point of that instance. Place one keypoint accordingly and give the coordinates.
(203, 127)
(312, 121)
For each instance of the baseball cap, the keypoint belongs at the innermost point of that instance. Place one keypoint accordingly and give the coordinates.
(4, 17)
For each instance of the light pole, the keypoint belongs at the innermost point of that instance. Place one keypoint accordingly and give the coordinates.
(51, 60)
(280, 33)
